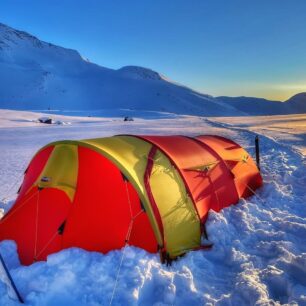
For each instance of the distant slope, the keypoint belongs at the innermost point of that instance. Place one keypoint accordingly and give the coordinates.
(297, 103)
(259, 106)
(38, 75)
(255, 106)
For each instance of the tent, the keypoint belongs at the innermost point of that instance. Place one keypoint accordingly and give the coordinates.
(153, 192)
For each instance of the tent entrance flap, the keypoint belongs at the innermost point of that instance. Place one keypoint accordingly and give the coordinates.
(101, 185)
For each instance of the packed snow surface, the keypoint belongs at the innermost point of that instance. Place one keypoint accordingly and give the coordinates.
(259, 252)
(286, 129)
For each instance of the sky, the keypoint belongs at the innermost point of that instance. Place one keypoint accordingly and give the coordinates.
(219, 47)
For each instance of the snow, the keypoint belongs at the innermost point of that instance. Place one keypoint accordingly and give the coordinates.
(289, 129)
(259, 252)
(37, 75)
(141, 73)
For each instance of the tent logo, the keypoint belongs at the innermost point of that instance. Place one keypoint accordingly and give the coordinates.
(45, 179)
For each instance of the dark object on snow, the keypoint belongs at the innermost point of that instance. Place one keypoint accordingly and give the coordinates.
(257, 152)
(45, 120)
(10, 283)
(128, 119)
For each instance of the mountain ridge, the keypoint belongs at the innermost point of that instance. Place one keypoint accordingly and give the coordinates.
(35, 74)
(39, 75)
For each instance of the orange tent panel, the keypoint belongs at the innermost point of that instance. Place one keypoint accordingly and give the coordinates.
(207, 177)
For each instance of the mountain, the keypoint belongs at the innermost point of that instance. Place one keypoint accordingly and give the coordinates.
(297, 103)
(38, 75)
(255, 106)
(259, 106)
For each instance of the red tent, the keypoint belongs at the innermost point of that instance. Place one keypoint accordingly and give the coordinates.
(152, 192)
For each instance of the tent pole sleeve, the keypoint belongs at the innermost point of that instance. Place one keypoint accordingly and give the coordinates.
(149, 191)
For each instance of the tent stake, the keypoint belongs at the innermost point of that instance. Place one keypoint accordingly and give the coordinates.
(257, 152)
(13, 286)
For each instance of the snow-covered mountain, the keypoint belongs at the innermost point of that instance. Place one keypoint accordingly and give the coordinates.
(259, 106)
(38, 75)
(256, 106)
(297, 103)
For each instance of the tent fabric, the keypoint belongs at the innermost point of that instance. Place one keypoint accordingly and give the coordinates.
(208, 189)
(153, 192)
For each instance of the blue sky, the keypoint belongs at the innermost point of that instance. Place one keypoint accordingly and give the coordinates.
(220, 47)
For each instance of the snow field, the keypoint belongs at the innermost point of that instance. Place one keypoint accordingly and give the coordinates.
(259, 252)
